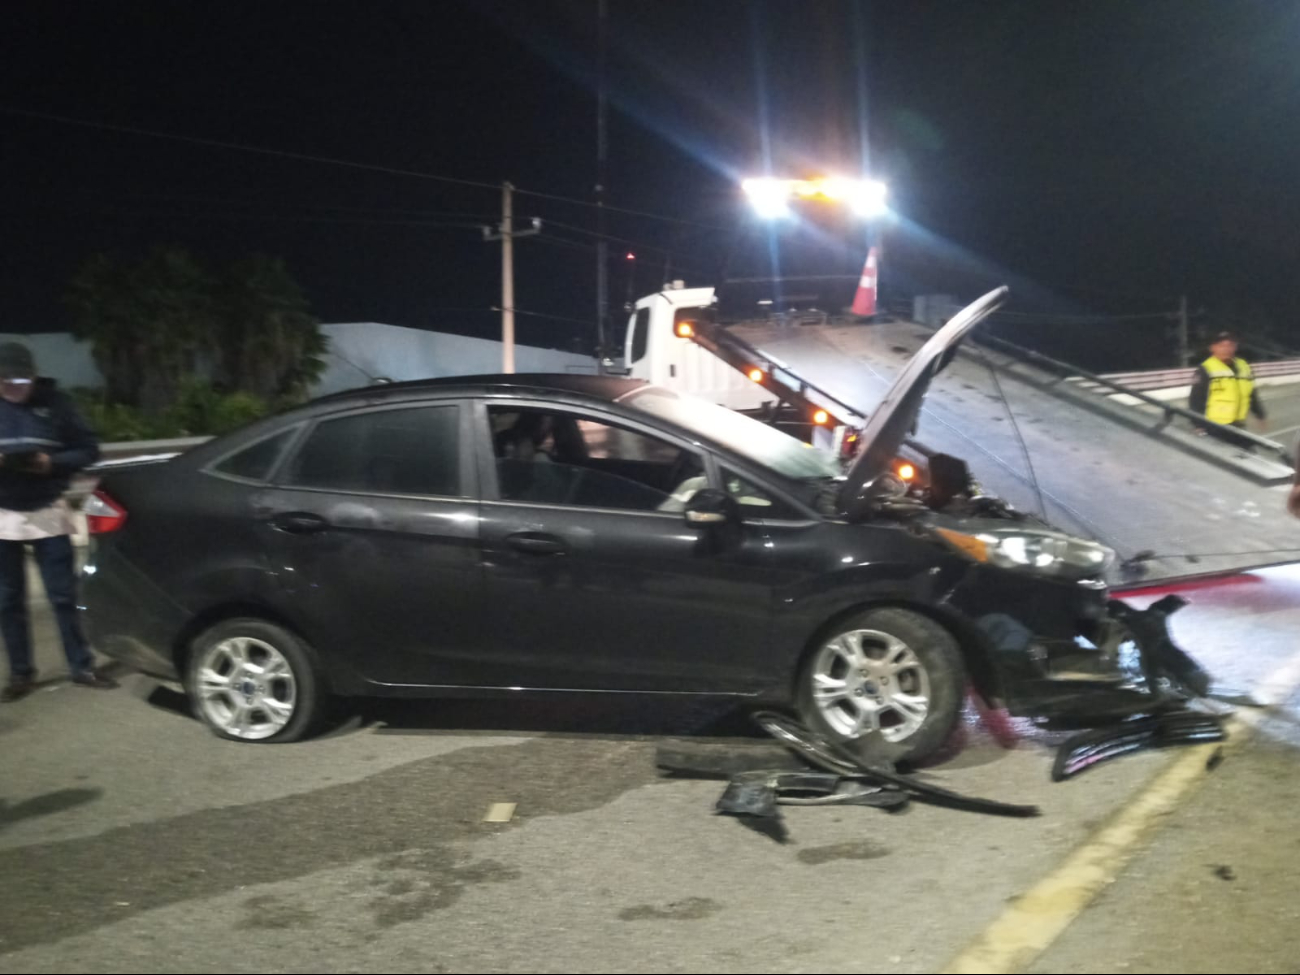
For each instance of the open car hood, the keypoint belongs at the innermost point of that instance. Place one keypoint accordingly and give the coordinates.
(896, 416)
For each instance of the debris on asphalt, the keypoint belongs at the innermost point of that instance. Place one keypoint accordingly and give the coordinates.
(1178, 727)
(825, 753)
(500, 812)
(810, 770)
(1237, 699)
(1225, 873)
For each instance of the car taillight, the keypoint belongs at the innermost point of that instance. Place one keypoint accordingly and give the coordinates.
(103, 514)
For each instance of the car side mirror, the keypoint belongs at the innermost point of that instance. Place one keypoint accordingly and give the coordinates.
(710, 507)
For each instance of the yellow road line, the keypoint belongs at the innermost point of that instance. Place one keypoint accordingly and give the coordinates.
(1028, 927)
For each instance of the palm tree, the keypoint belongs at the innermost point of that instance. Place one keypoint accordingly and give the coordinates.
(271, 344)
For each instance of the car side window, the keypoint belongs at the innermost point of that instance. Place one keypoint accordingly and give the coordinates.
(558, 457)
(400, 451)
(754, 501)
(256, 461)
(641, 335)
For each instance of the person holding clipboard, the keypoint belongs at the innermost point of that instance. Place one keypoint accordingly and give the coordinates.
(43, 442)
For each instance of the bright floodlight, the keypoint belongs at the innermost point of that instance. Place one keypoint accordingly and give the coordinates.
(868, 198)
(769, 197)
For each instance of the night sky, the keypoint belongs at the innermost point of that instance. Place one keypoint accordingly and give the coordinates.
(1101, 157)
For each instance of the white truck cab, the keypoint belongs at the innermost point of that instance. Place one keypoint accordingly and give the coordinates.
(654, 351)
(661, 348)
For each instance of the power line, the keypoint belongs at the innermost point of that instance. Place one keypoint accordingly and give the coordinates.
(612, 209)
(554, 241)
(578, 245)
(539, 314)
(112, 210)
(659, 248)
(241, 147)
(392, 211)
(334, 161)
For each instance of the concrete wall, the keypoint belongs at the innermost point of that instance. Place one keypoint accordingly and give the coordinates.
(359, 351)
(362, 350)
(62, 357)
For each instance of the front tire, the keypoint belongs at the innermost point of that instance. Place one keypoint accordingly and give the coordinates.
(886, 684)
(253, 681)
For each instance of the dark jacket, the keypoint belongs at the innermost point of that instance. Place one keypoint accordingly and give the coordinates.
(49, 423)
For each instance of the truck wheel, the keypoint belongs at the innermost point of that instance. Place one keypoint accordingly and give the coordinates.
(250, 680)
(885, 684)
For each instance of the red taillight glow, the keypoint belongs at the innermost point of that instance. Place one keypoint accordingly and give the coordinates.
(103, 514)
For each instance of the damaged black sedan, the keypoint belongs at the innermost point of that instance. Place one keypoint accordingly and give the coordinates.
(506, 535)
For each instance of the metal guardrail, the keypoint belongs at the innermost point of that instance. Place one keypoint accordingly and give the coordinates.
(1168, 378)
(1243, 438)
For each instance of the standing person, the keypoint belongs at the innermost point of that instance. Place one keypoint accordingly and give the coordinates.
(1224, 390)
(43, 442)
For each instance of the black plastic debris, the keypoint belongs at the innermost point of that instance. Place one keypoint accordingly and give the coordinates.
(752, 794)
(822, 752)
(809, 770)
(1164, 662)
(1090, 749)
(694, 759)
(760, 793)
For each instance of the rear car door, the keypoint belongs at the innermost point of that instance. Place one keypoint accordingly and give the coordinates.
(594, 579)
(372, 526)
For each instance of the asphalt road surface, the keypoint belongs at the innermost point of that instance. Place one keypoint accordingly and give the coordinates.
(131, 840)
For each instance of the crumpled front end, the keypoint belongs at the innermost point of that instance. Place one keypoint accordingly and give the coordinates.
(1070, 654)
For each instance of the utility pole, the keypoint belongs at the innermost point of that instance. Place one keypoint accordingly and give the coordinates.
(506, 234)
(602, 159)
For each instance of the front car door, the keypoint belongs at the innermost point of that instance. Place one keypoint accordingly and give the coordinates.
(593, 577)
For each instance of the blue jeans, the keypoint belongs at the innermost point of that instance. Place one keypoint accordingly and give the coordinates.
(57, 562)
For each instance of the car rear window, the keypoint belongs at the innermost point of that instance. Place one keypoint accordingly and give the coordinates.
(256, 462)
(403, 451)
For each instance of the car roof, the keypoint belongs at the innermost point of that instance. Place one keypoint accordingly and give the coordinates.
(575, 387)
(608, 388)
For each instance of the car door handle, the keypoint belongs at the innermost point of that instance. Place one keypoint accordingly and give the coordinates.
(536, 543)
(299, 523)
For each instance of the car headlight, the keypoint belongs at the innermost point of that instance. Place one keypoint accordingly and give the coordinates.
(1042, 552)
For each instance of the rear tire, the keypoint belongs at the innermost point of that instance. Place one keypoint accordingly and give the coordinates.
(254, 681)
(886, 684)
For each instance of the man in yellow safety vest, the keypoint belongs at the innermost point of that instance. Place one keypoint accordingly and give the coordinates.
(1224, 389)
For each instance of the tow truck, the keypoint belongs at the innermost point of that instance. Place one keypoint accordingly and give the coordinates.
(683, 339)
